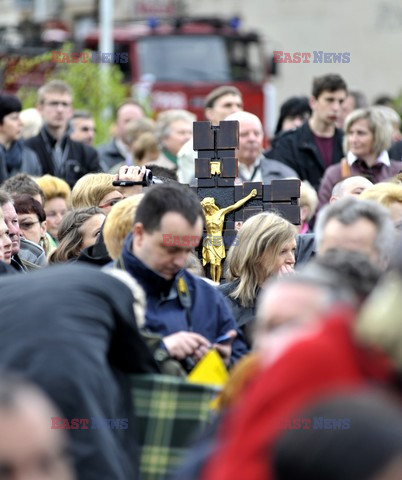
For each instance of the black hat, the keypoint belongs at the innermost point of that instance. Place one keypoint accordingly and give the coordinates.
(8, 104)
(293, 107)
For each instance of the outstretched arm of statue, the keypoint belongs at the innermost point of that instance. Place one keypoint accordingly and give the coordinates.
(241, 202)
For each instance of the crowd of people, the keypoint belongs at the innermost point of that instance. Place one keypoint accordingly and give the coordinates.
(305, 317)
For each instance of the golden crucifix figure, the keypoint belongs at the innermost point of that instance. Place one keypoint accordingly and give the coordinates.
(213, 250)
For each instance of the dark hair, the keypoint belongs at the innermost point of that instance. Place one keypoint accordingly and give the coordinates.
(162, 172)
(219, 92)
(293, 107)
(8, 104)
(328, 83)
(386, 100)
(353, 271)
(26, 204)
(366, 436)
(161, 199)
(81, 114)
(23, 183)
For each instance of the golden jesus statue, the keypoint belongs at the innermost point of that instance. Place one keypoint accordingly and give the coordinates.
(213, 250)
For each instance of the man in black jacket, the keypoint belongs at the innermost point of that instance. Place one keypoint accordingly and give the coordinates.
(75, 335)
(59, 155)
(317, 144)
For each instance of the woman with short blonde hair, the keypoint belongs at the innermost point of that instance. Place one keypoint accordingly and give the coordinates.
(57, 202)
(119, 224)
(97, 189)
(91, 189)
(368, 134)
(388, 194)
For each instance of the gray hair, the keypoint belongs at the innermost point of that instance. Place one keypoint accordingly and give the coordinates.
(379, 124)
(5, 197)
(166, 118)
(349, 210)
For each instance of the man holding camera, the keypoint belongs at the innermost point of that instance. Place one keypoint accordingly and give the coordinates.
(187, 312)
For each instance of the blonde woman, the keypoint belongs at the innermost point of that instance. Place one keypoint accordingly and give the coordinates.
(264, 247)
(97, 189)
(368, 135)
(390, 195)
(119, 223)
(57, 202)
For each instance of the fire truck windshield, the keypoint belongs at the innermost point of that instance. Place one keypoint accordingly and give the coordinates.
(185, 58)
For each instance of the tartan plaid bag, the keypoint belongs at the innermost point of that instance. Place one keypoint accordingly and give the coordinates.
(169, 411)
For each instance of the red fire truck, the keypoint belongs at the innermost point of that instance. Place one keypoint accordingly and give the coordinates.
(175, 64)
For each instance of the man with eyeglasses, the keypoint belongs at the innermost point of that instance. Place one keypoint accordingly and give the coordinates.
(82, 127)
(58, 153)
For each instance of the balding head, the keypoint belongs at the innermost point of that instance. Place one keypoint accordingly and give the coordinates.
(251, 136)
(351, 186)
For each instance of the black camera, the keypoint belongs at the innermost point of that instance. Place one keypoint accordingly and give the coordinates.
(148, 180)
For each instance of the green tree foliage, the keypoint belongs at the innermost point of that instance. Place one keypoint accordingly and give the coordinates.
(398, 103)
(98, 91)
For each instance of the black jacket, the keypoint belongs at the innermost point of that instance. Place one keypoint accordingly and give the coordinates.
(75, 335)
(305, 248)
(110, 155)
(297, 149)
(78, 159)
(244, 316)
(29, 163)
(395, 152)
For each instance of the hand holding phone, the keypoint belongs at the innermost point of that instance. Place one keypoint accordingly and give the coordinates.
(226, 337)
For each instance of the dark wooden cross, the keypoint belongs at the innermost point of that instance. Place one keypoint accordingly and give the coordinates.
(216, 170)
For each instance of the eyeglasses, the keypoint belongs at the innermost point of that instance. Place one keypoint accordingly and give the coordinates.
(27, 225)
(58, 104)
(111, 202)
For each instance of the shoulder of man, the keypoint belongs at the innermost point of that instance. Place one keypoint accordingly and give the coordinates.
(305, 248)
(31, 161)
(88, 155)
(287, 143)
(107, 147)
(272, 166)
(32, 141)
(203, 287)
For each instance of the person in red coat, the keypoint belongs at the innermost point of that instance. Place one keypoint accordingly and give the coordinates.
(326, 360)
